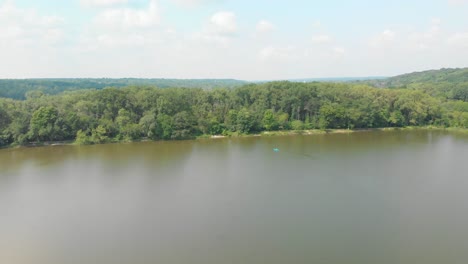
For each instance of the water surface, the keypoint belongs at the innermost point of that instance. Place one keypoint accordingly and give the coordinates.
(370, 197)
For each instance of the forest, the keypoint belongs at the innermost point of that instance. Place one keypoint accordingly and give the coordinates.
(445, 83)
(147, 112)
(23, 88)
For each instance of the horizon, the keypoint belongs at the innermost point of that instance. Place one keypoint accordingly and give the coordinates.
(201, 79)
(227, 39)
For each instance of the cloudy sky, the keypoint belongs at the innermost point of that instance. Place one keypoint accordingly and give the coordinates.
(242, 39)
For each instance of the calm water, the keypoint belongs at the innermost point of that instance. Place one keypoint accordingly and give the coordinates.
(370, 197)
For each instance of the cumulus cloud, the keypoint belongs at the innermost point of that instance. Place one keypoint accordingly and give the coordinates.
(223, 23)
(128, 18)
(384, 38)
(428, 38)
(221, 28)
(193, 3)
(122, 27)
(264, 26)
(125, 40)
(22, 26)
(102, 3)
(29, 41)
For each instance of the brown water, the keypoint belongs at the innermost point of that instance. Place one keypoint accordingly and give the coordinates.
(370, 197)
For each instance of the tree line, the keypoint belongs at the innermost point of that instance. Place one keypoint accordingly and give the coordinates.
(132, 113)
(25, 88)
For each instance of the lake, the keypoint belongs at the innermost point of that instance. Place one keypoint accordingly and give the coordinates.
(368, 197)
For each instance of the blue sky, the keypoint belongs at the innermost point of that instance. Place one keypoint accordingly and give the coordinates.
(252, 40)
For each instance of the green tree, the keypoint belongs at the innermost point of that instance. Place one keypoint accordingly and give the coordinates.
(83, 138)
(297, 125)
(99, 135)
(283, 121)
(269, 120)
(43, 127)
(244, 121)
(148, 125)
(164, 126)
(231, 120)
(333, 115)
(182, 126)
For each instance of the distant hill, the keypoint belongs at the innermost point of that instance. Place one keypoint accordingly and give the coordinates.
(337, 79)
(448, 83)
(19, 88)
(330, 79)
(453, 76)
(444, 83)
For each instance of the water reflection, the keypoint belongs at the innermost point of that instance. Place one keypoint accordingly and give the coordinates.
(370, 197)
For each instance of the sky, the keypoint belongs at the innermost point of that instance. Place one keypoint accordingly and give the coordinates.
(240, 39)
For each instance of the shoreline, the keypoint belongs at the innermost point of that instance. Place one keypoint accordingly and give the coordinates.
(262, 134)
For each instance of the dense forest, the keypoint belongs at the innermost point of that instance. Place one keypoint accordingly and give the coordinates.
(444, 83)
(24, 88)
(132, 113)
(454, 75)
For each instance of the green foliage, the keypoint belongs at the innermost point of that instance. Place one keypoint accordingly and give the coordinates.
(231, 120)
(35, 88)
(95, 136)
(43, 125)
(148, 125)
(164, 126)
(297, 125)
(431, 76)
(183, 126)
(244, 121)
(215, 128)
(332, 115)
(99, 135)
(283, 121)
(269, 120)
(82, 138)
(445, 83)
(98, 116)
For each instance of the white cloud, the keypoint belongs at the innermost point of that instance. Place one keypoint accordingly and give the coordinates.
(388, 35)
(223, 23)
(114, 28)
(426, 39)
(123, 40)
(128, 18)
(23, 26)
(193, 3)
(102, 3)
(414, 49)
(221, 28)
(30, 42)
(264, 26)
(384, 38)
(321, 39)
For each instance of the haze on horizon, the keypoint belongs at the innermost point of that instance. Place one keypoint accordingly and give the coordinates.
(248, 40)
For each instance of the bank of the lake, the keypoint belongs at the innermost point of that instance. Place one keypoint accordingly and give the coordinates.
(333, 131)
(262, 134)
